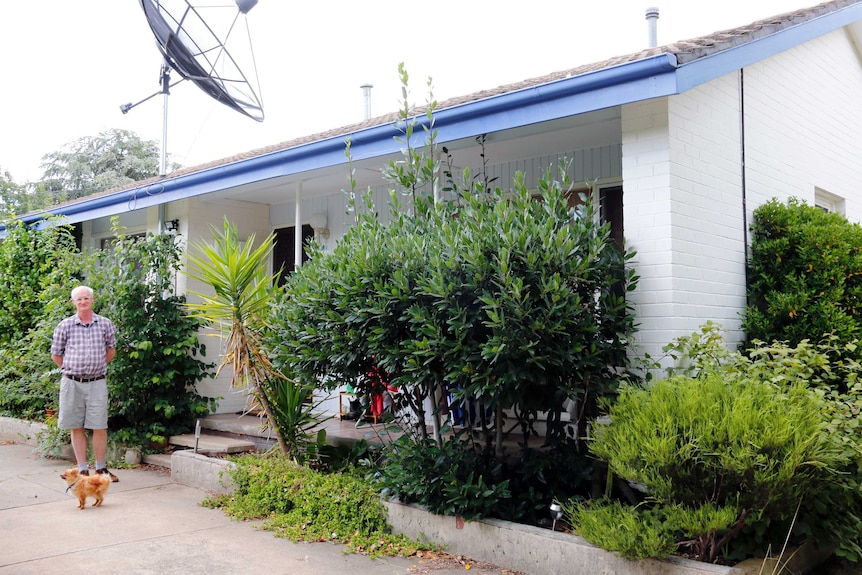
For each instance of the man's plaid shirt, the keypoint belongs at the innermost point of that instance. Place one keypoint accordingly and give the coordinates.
(83, 345)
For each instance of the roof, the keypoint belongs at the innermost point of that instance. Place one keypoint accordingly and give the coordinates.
(653, 72)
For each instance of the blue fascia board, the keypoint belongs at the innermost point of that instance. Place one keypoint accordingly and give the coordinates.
(730, 60)
(631, 82)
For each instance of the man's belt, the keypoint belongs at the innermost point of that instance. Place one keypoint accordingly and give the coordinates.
(82, 379)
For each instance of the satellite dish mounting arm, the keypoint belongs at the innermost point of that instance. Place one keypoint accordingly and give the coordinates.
(164, 79)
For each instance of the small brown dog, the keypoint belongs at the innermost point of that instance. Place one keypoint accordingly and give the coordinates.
(84, 486)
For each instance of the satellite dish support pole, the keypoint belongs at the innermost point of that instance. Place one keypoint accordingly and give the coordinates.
(166, 91)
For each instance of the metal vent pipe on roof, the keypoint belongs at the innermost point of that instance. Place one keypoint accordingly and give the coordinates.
(366, 90)
(652, 26)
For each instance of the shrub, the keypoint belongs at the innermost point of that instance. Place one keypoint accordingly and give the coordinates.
(459, 477)
(755, 435)
(152, 378)
(616, 527)
(444, 478)
(36, 267)
(32, 263)
(487, 294)
(805, 275)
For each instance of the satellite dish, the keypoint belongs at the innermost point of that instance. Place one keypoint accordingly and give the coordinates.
(207, 51)
(194, 48)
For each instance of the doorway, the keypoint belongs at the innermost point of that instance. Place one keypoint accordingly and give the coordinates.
(283, 259)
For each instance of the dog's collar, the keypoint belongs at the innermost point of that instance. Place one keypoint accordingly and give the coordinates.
(72, 485)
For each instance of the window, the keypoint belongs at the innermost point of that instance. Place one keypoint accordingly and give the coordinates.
(829, 202)
(108, 243)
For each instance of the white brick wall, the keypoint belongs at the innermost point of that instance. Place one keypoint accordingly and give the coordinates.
(250, 218)
(682, 177)
(804, 124)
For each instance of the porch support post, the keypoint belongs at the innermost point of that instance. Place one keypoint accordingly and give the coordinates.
(297, 228)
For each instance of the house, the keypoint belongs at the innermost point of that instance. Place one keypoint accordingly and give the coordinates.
(683, 142)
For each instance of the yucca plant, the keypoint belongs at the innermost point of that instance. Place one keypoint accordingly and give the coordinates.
(297, 418)
(241, 295)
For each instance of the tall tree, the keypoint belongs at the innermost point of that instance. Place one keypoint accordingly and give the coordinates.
(11, 194)
(94, 164)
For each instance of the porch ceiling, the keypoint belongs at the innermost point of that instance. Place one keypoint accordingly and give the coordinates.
(582, 131)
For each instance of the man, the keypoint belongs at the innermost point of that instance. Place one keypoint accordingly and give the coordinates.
(83, 346)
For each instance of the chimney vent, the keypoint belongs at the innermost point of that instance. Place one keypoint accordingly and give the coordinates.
(366, 90)
(652, 24)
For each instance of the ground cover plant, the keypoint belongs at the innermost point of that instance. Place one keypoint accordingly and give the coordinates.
(302, 504)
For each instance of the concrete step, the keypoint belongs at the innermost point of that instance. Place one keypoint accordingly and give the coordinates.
(161, 459)
(250, 425)
(212, 444)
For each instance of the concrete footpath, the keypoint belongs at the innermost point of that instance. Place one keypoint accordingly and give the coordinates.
(149, 525)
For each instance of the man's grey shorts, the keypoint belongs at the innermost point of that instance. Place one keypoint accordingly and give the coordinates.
(83, 404)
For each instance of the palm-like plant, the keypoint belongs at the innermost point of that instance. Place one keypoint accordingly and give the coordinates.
(237, 273)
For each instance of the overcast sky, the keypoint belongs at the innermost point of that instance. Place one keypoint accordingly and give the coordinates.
(68, 66)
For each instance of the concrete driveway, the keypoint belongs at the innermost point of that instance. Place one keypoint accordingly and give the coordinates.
(149, 525)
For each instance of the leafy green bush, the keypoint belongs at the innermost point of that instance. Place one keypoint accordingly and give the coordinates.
(754, 435)
(32, 263)
(490, 294)
(458, 477)
(633, 533)
(304, 505)
(805, 275)
(36, 271)
(444, 478)
(152, 378)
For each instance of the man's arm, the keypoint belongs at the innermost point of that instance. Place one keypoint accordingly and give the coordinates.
(109, 354)
(58, 359)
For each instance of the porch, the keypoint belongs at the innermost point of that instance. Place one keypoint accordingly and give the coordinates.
(226, 433)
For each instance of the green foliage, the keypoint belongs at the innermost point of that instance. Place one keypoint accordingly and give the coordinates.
(95, 164)
(805, 275)
(491, 295)
(237, 305)
(719, 439)
(459, 477)
(31, 262)
(633, 533)
(702, 351)
(297, 417)
(444, 478)
(52, 441)
(304, 505)
(645, 530)
(35, 271)
(158, 362)
(17, 199)
(10, 194)
(761, 435)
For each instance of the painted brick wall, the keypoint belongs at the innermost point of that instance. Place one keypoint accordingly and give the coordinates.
(804, 124)
(250, 218)
(683, 177)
